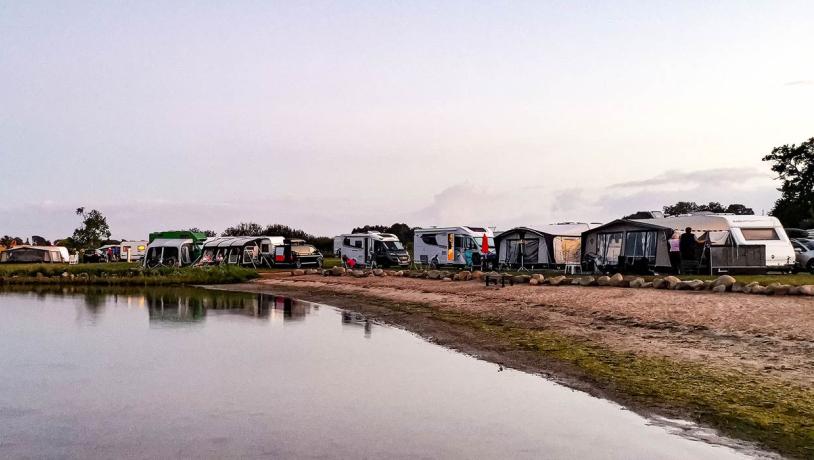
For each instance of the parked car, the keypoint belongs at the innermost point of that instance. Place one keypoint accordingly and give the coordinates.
(297, 253)
(804, 249)
(94, 256)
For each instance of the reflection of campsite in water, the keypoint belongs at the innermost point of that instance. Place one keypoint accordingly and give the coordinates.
(169, 306)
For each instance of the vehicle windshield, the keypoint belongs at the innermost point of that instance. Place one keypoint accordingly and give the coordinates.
(808, 244)
(394, 245)
(479, 242)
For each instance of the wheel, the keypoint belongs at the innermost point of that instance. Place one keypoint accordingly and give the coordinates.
(810, 266)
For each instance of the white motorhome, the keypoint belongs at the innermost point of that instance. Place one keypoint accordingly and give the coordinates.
(730, 230)
(437, 246)
(372, 248)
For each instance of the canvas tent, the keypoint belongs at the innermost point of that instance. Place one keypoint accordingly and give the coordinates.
(626, 246)
(35, 254)
(545, 247)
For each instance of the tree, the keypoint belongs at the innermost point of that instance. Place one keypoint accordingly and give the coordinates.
(794, 165)
(244, 229)
(10, 241)
(40, 241)
(689, 207)
(403, 231)
(208, 233)
(92, 232)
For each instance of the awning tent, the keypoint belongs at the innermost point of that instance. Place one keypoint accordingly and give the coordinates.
(35, 254)
(626, 243)
(546, 246)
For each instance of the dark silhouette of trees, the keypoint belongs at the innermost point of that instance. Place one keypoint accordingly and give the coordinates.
(794, 165)
(689, 207)
(403, 231)
(92, 232)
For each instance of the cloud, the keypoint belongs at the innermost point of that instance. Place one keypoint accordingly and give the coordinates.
(799, 83)
(684, 179)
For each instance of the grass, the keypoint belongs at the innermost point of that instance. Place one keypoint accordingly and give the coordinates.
(773, 413)
(121, 274)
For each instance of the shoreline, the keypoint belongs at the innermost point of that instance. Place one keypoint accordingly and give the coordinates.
(603, 356)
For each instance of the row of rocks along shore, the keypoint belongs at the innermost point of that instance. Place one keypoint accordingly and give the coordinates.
(722, 284)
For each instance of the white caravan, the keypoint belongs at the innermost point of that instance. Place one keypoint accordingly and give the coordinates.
(135, 249)
(737, 230)
(381, 249)
(436, 246)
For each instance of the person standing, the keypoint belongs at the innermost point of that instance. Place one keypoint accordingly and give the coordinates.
(688, 246)
(675, 252)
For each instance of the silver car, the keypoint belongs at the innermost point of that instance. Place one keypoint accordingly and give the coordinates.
(804, 248)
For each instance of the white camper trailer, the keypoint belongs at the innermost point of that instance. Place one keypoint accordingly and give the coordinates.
(437, 246)
(736, 231)
(134, 249)
(371, 248)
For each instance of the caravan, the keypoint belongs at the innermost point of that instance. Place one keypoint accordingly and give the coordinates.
(371, 248)
(455, 246)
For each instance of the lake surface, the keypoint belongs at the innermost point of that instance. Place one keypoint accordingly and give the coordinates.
(167, 373)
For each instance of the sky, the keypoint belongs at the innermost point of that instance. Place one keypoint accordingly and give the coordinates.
(330, 115)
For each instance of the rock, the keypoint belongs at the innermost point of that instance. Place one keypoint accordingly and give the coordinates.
(65, 274)
(708, 284)
(298, 272)
(378, 272)
(749, 287)
(557, 280)
(312, 271)
(338, 271)
(538, 276)
(758, 289)
(637, 283)
(724, 280)
(737, 287)
(616, 279)
(575, 282)
(777, 289)
(446, 279)
(719, 288)
(521, 279)
(534, 281)
(647, 285)
(794, 290)
(692, 285)
(358, 273)
(462, 276)
(672, 282)
(434, 275)
(587, 281)
(477, 275)
(659, 283)
(398, 273)
(807, 289)
(603, 281)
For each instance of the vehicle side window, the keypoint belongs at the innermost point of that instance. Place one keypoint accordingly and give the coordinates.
(346, 242)
(429, 239)
(358, 243)
(264, 247)
(185, 254)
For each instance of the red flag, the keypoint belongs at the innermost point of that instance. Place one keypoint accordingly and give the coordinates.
(484, 247)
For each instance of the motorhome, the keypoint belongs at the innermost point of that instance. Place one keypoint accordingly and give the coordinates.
(439, 246)
(730, 244)
(174, 248)
(35, 254)
(371, 248)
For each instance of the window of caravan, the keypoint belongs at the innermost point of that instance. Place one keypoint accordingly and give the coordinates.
(357, 243)
(609, 247)
(760, 234)
(346, 242)
(185, 255)
(264, 248)
(429, 238)
(170, 255)
(234, 255)
(640, 244)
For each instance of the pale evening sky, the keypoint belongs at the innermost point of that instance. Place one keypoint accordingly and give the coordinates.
(327, 115)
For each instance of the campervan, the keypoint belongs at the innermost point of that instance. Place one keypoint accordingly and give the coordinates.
(371, 248)
(436, 246)
(174, 248)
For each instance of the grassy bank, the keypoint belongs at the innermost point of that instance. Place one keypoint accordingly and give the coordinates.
(121, 274)
(776, 414)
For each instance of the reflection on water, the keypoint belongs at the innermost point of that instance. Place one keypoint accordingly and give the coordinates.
(190, 373)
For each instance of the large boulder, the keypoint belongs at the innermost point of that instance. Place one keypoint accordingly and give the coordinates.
(807, 289)
(719, 288)
(750, 287)
(759, 289)
(297, 272)
(616, 279)
(777, 289)
(637, 283)
(378, 272)
(521, 279)
(659, 283)
(587, 281)
(462, 276)
(672, 282)
(477, 275)
(692, 285)
(557, 280)
(358, 273)
(539, 277)
(398, 273)
(446, 279)
(737, 287)
(724, 280)
(603, 281)
(435, 275)
(338, 271)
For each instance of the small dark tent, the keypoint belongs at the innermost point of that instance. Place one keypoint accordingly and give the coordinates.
(626, 246)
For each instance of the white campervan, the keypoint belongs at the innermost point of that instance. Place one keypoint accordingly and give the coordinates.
(436, 246)
(371, 248)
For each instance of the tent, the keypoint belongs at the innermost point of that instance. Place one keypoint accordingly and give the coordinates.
(35, 254)
(626, 246)
(544, 247)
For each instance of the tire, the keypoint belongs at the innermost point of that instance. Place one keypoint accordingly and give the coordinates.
(810, 266)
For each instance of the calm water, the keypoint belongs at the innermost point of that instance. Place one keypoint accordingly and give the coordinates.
(195, 373)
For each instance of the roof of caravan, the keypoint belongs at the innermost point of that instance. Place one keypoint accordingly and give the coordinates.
(370, 233)
(712, 222)
(469, 228)
(40, 248)
(228, 241)
(170, 241)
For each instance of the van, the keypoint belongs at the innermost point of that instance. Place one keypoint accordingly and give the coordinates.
(372, 248)
(452, 246)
